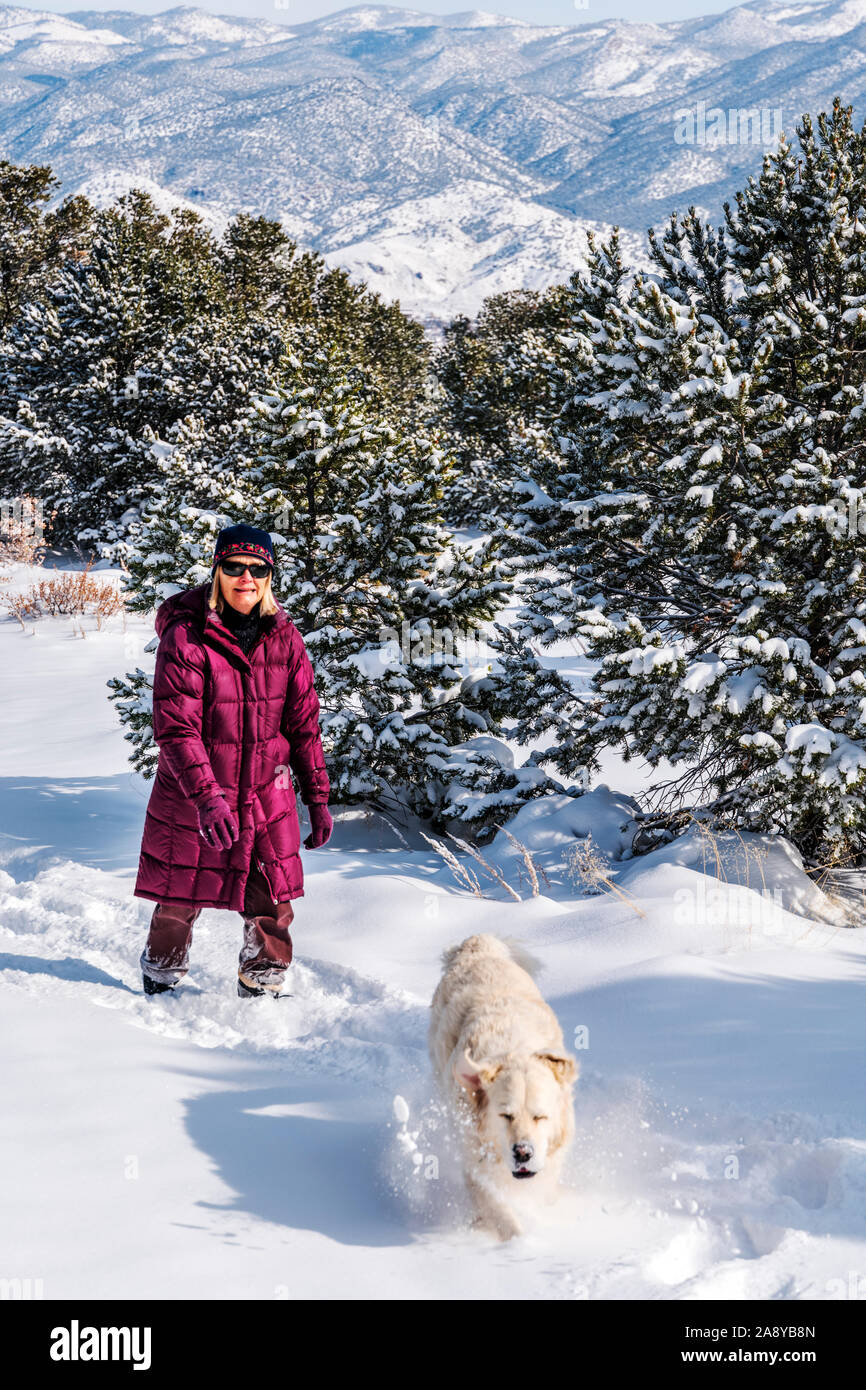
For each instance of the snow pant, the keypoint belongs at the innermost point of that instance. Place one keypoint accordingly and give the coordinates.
(265, 954)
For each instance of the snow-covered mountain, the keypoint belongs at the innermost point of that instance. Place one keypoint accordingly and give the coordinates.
(441, 158)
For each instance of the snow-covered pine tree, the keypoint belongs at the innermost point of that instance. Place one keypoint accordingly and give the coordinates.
(565, 473)
(269, 277)
(85, 383)
(169, 547)
(725, 552)
(385, 599)
(383, 596)
(215, 368)
(196, 489)
(499, 379)
(33, 240)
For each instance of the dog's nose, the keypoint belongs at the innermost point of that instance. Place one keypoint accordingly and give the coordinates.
(523, 1152)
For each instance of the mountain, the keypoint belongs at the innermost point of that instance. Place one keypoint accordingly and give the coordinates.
(439, 158)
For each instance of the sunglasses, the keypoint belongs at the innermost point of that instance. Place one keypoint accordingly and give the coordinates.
(235, 568)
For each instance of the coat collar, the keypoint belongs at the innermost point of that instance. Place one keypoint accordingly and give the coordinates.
(216, 634)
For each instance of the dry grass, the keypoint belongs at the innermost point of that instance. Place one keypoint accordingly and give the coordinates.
(22, 537)
(733, 863)
(589, 869)
(532, 869)
(725, 859)
(531, 873)
(469, 879)
(461, 872)
(844, 887)
(66, 594)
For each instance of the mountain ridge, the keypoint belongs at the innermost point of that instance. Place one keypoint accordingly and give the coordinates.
(352, 127)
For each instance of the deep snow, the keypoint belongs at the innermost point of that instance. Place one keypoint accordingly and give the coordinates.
(205, 1146)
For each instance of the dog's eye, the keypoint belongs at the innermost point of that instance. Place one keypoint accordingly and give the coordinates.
(537, 1118)
(506, 1117)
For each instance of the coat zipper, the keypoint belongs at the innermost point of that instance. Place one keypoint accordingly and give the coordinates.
(267, 880)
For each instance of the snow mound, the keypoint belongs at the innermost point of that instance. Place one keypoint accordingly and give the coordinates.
(763, 867)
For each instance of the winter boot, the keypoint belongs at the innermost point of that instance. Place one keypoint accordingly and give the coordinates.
(155, 986)
(248, 990)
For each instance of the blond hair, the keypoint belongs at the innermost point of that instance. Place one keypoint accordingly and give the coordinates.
(268, 603)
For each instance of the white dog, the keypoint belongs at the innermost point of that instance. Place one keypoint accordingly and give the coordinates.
(499, 1059)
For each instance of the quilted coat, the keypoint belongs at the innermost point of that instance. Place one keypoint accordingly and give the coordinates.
(235, 724)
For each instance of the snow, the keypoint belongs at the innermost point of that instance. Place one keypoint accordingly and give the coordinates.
(446, 253)
(833, 17)
(358, 18)
(204, 1146)
(439, 158)
(700, 674)
(812, 738)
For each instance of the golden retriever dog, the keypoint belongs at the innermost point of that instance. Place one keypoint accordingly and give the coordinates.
(498, 1055)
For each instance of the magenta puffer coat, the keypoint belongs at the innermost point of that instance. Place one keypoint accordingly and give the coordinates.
(231, 724)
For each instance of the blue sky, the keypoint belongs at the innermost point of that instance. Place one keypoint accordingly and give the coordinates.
(535, 11)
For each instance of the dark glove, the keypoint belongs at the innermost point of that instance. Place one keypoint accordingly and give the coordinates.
(322, 825)
(217, 823)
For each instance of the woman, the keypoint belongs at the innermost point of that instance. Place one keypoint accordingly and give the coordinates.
(234, 709)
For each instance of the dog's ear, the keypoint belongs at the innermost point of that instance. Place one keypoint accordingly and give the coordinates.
(562, 1064)
(474, 1076)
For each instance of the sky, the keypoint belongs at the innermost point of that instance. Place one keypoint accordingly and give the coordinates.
(534, 11)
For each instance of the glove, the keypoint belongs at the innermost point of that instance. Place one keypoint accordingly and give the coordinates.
(321, 823)
(217, 823)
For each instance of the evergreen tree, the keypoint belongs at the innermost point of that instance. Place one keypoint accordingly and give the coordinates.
(93, 376)
(501, 379)
(125, 323)
(380, 591)
(560, 516)
(34, 242)
(721, 577)
(269, 277)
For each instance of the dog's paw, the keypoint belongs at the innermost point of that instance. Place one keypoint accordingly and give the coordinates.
(502, 1228)
(508, 1228)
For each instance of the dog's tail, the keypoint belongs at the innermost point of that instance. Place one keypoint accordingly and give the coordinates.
(530, 963)
(488, 945)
